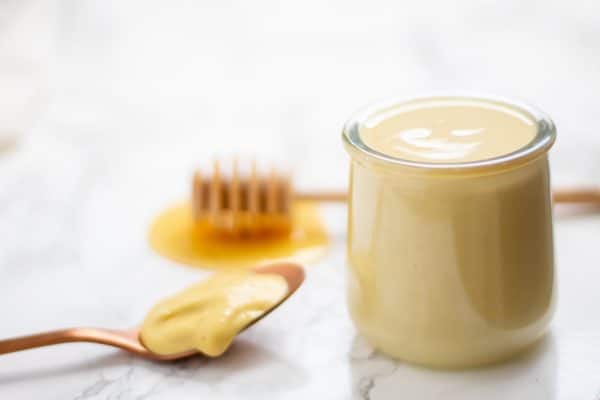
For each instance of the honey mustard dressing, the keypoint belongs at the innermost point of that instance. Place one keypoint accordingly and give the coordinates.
(449, 130)
(175, 235)
(450, 245)
(207, 316)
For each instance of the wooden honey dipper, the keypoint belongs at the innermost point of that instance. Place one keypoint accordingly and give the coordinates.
(250, 204)
(256, 204)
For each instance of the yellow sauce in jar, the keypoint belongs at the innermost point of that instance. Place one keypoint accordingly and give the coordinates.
(449, 130)
(450, 261)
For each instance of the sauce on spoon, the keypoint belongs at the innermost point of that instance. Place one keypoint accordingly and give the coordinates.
(208, 315)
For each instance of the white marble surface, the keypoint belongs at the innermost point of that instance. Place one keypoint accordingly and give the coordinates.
(144, 91)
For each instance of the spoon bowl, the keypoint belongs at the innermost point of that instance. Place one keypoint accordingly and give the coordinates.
(129, 340)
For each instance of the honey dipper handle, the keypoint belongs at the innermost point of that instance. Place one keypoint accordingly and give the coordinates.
(339, 197)
(589, 196)
(572, 196)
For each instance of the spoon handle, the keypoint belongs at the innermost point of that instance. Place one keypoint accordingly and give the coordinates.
(109, 337)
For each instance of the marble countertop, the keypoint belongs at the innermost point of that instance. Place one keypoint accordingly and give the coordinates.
(141, 93)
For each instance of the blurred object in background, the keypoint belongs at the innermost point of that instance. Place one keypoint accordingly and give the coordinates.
(26, 47)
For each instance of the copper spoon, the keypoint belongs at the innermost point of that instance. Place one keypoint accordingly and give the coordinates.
(129, 340)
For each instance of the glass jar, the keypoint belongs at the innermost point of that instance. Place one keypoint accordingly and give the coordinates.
(450, 264)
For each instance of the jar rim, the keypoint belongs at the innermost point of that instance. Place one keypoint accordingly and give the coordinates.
(540, 144)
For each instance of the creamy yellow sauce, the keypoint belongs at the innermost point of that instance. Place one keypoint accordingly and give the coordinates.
(448, 268)
(448, 130)
(208, 315)
(175, 235)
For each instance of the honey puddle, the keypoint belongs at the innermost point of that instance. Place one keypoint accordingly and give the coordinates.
(175, 235)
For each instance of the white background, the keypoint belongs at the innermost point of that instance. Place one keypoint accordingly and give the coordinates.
(138, 93)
